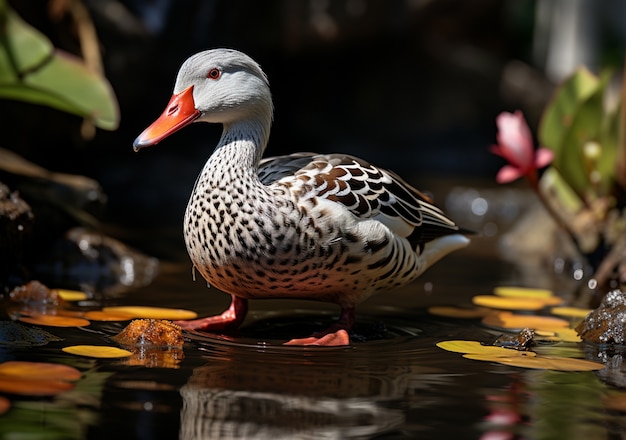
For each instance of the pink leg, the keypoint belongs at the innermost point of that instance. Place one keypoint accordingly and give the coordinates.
(230, 319)
(335, 335)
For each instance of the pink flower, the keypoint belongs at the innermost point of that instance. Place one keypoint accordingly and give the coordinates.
(515, 144)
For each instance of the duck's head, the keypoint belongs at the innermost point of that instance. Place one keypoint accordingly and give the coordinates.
(220, 86)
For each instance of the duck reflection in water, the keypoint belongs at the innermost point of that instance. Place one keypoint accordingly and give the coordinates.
(291, 394)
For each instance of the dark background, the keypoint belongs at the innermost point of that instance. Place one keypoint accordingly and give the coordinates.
(410, 85)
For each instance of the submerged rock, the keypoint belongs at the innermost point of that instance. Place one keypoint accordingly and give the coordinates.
(607, 323)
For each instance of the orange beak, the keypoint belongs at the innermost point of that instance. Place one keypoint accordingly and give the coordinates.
(180, 112)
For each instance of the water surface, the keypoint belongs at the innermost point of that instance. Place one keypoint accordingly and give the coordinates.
(392, 382)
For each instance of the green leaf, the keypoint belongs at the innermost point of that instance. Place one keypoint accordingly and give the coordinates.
(559, 114)
(582, 135)
(89, 94)
(575, 166)
(23, 47)
(32, 71)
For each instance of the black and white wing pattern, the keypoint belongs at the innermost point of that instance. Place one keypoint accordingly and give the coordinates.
(366, 191)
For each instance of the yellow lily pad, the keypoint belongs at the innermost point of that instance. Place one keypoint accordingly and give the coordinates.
(509, 303)
(71, 295)
(97, 351)
(475, 347)
(458, 312)
(545, 333)
(512, 321)
(570, 312)
(541, 362)
(54, 320)
(559, 350)
(100, 315)
(522, 292)
(568, 335)
(152, 312)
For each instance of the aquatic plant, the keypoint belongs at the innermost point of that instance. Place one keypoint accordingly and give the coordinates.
(583, 187)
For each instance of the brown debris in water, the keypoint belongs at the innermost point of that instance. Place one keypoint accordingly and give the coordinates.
(607, 323)
(155, 343)
(35, 292)
(152, 332)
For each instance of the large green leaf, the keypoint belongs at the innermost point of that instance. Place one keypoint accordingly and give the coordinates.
(27, 47)
(574, 163)
(66, 77)
(32, 71)
(559, 114)
(575, 124)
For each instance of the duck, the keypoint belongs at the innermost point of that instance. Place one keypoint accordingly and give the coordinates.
(325, 227)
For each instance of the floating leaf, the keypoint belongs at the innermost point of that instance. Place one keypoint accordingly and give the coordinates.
(541, 362)
(545, 333)
(570, 312)
(511, 321)
(101, 315)
(568, 335)
(36, 378)
(39, 370)
(460, 346)
(458, 312)
(560, 350)
(522, 292)
(54, 320)
(152, 312)
(513, 303)
(97, 351)
(71, 295)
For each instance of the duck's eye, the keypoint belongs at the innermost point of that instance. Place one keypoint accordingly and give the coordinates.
(214, 73)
